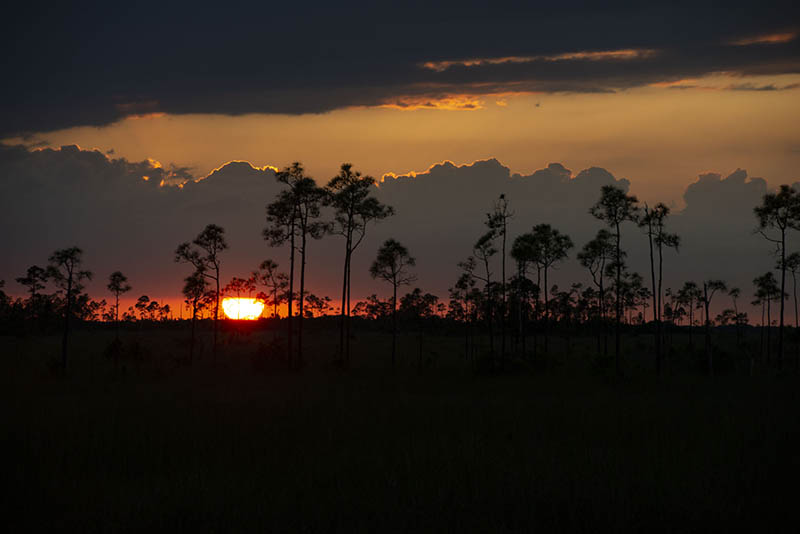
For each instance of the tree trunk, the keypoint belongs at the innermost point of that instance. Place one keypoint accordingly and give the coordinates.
(762, 339)
(503, 311)
(691, 322)
(116, 316)
(546, 313)
(343, 314)
(349, 287)
(769, 327)
(67, 313)
(191, 343)
(394, 321)
(302, 300)
(289, 318)
(489, 310)
(619, 305)
(783, 292)
(603, 322)
(216, 317)
(655, 301)
(796, 324)
(709, 355)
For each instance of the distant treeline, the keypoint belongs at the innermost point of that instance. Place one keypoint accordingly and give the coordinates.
(502, 291)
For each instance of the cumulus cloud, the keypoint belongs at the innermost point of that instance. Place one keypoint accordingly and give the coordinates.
(94, 66)
(55, 198)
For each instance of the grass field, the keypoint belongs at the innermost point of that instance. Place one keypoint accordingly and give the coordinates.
(219, 447)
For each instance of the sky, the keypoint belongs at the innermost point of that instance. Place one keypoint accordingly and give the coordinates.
(670, 99)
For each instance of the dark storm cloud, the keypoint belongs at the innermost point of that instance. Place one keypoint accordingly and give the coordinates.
(52, 199)
(86, 64)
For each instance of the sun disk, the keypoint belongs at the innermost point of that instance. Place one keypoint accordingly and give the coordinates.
(242, 308)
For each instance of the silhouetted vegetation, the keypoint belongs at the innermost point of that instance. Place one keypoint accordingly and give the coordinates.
(424, 426)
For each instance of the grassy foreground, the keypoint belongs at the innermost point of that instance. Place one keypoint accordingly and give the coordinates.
(217, 448)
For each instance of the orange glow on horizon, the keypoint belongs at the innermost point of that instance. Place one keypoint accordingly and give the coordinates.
(450, 102)
(599, 55)
(248, 309)
(775, 38)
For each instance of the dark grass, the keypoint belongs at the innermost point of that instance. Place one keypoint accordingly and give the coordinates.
(551, 447)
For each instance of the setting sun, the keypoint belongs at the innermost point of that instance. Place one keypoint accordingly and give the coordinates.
(248, 309)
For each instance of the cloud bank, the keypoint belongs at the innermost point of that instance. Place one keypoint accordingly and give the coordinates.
(55, 198)
(92, 65)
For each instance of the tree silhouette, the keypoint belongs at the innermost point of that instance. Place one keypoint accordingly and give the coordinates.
(524, 252)
(35, 279)
(195, 290)
(595, 255)
(779, 212)
(767, 290)
(268, 276)
(309, 201)
(653, 221)
(419, 307)
(141, 306)
(483, 250)
(3, 297)
(282, 218)
(117, 284)
(551, 247)
(614, 208)
(792, 265)
(317, 306)
(349, 193)
(735, 293)
(710, 287)
(237, 286)
(689, 295)
(392, 264)
(292, 219)
(464, 297)
(204, 254)
(65, 270)
(497, 221)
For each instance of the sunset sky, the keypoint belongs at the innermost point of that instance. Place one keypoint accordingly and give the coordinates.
(655, 94)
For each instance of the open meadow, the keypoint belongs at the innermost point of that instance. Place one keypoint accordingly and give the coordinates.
(150, 442)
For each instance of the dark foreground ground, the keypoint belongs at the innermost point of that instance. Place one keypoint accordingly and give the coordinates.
(221, 448)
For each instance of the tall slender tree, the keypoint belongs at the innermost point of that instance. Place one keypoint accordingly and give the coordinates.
(779, 212)
(551, 247)
(793, 266)
(614, 208)
(524, 252)
(349, 193)
(689, 295)
(195, 291)
(35, 280)
(65, 270)
(310, 198)
(392, 265)
(497, 221)
(484, 250)
(292, 218)
(239, 286)
(767, 290)
(653, 221)
(468, 298)
(204, 255)
(595, 255)
(734, 293)
(282, 219)
(710, 287)
(276, 282)
(117, 284)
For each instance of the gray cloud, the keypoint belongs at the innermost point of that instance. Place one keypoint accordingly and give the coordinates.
(92, 66)
(51, 199)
